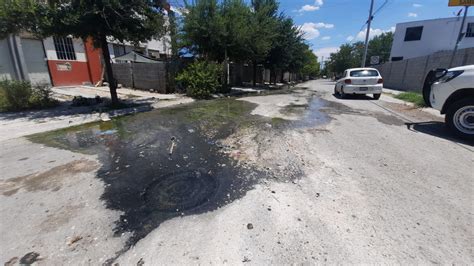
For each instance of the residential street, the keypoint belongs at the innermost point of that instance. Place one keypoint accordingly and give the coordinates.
(285, 177)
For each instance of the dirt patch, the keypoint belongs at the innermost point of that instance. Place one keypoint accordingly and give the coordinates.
(58, 218)
(412, 112)
(49, 180)
(388, 119)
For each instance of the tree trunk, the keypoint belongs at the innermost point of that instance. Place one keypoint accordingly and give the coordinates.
(109, 71)
(254, 63)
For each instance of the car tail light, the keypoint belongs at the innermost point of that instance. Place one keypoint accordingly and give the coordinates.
(380, 81)
(348, 81)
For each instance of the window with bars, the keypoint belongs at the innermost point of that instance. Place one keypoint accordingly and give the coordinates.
(470, 30)
(64, 48)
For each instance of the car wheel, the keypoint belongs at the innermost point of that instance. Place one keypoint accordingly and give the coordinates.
(342, 94)
(336, 93)
(460, 118)
(377, 96)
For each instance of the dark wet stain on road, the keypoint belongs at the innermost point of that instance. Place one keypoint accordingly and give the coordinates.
(169, 162)
(165, 163)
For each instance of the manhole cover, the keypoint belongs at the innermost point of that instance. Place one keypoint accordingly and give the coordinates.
(181, 191)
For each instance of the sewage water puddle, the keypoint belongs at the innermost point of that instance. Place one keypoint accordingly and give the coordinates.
(168, 163)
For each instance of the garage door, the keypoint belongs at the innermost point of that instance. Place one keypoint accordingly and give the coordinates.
(35, 60)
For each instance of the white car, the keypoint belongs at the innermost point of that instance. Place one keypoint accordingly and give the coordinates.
(359, 81)
(452, 93)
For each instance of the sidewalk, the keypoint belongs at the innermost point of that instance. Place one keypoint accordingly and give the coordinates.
(124, 93)
(19, 124)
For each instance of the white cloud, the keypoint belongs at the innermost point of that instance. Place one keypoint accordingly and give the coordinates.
(412, 15)
(417, 5)
(373, 32)
(325, 52)
(311, 30)
(321, 25)
(325, 38)
(177, 11)
(308, 8)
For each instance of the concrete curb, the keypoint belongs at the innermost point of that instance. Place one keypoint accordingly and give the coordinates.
(428, 110)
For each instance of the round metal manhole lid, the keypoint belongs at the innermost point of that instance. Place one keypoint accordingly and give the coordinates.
(181, 191)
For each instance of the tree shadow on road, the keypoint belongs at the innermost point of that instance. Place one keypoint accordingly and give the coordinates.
(66, 108)
(436, 129)
(353, 97)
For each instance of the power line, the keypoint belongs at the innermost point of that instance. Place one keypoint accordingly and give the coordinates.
(380, 8)
(355, 35)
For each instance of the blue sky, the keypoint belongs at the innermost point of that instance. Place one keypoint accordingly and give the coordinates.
(330, 23)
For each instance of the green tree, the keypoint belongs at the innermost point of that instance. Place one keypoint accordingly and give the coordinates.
(342, 59)
(311, 64)
(123, 20)
(381, 46)
(236, 15)
(262, 31)
(350, 55)
(285, 46)
(204, 29)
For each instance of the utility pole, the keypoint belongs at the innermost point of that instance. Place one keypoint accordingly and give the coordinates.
(368, 33)
(460, 37)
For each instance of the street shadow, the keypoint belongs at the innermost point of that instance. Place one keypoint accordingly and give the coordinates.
(353, 97)
(436, 129)
(66, 108)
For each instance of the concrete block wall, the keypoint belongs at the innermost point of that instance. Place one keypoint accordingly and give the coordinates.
(142, 76)
(414, 77)
(409, 74)
(150, 76)
(123, 74)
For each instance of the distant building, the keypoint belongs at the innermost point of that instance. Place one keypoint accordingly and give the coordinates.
(425, 37)
(155, 48)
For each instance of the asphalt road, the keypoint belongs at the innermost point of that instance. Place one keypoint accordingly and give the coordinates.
(352, 181)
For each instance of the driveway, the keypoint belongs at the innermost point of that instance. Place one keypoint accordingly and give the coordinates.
(277, 178)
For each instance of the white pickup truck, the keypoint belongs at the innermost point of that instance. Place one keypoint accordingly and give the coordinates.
(451, 91)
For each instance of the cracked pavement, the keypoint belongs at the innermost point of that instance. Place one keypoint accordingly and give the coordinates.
(325, 180)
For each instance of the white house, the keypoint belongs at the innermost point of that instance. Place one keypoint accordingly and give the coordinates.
(155, 48)
(421, 38)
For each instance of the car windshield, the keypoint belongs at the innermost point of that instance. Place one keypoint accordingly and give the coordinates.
(364, 73)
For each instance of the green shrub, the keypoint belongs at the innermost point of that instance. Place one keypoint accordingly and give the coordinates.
(15, 94)
(41, 97)
(19, 95)
(200, 79)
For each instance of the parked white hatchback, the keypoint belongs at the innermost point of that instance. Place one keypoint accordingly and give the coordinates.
(359, 81)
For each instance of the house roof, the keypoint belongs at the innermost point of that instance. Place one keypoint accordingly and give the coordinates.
(135, 57)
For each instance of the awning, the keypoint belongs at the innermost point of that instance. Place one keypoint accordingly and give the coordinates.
(135, 57)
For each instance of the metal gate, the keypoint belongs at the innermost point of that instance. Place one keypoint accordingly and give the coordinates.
(35, 60)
